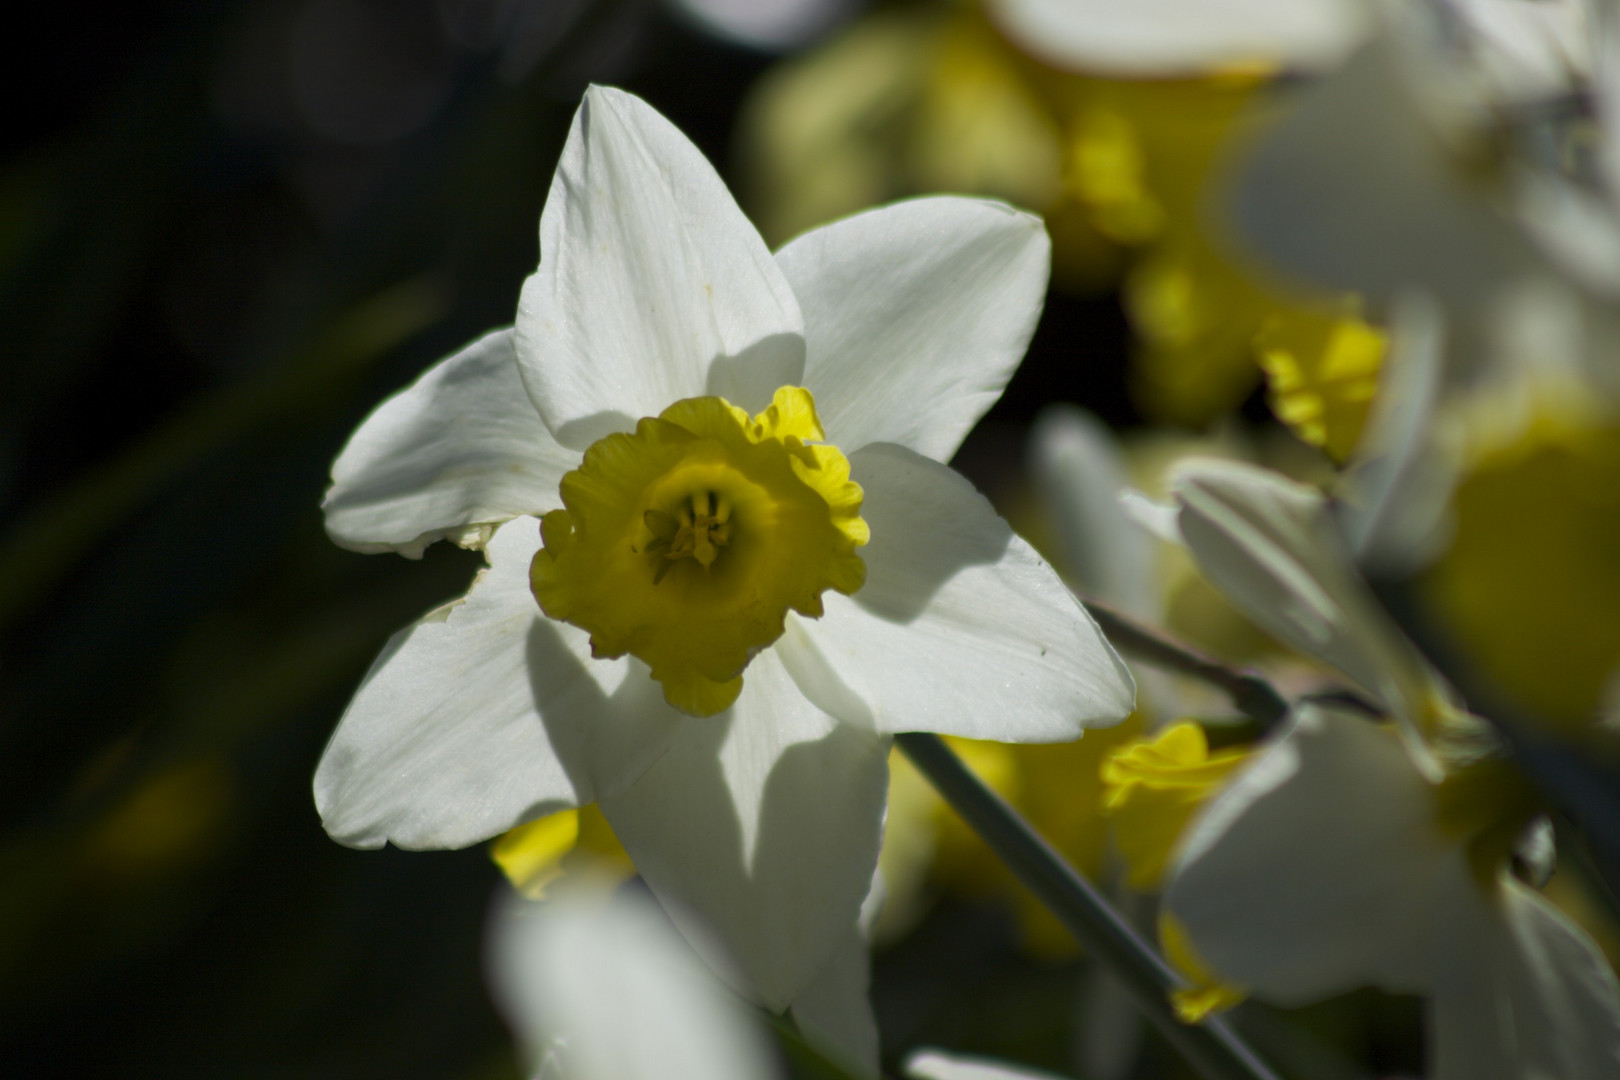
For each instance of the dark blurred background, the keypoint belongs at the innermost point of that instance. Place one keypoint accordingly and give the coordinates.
(227, 231)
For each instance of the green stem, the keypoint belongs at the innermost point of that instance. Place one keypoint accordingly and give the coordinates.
(1252, 695)
(1212, 1047)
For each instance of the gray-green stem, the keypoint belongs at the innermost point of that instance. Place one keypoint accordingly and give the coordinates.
(1251, 694)
(1212, 1047)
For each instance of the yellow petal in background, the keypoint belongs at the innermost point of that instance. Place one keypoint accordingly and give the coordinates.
(1207, 994)
(1530, 586)
(537, 853)
(1153, 788)
(1321, 373)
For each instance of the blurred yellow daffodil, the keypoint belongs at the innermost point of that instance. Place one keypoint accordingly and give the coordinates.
(1530, 585)
(1119, 159)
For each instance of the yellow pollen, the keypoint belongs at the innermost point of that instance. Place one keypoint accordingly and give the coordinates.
(686, 542)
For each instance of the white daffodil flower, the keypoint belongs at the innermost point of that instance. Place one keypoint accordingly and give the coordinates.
(596, 987)
(753, 565)
(1163, 38)
(1351, 853)
(1333, 862)
(1275, 550)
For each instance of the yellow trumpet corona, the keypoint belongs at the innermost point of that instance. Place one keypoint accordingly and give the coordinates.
(686, 542)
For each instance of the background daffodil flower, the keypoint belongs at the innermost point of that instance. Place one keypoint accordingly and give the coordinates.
(1330, 863)
(1114, 124)
(1354, 853)
(759, 825)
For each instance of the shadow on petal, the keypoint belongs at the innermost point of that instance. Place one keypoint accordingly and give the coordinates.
(604, 739)
(928, 524)
(760, 831)
(581, 433)
(750, 378)
(821, 823)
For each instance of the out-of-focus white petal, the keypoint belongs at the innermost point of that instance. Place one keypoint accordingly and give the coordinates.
(600, 987)
(915, 316)
(652, 285)
(1352, 190)
(1505, 51)
(461, 447)
(957, 617)
(1182, 37)
(768, 24)
(1394, 501)
(1605, 90)
(1081, 473)
(485, 714)
(1315, 870)
(835, 1011)
(937, 1065)
(760, 826)
(1323, 867)
(1577, 229)
(1520, 992)
(1151, 516)
(1272, 547)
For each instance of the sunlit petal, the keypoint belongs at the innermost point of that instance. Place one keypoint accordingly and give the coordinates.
(760, 826)
(957, 614)
(452, 455)
(485, 714)
(652, 286)
(915, 316)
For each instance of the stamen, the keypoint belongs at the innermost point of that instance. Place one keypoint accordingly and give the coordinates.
(660, 524)
(698, 530)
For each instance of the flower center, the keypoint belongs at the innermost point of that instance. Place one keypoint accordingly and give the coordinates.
(696, 528)
(686, 542)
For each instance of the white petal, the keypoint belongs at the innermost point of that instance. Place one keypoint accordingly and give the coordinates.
(1577, 229)
(607, 989)
(1314, 872)
(459, 448)
(1517, 50)
(1395, 502)
(485, 714)
(760, 826)
(1181, 37)
(652, 286)
(1271, 546)
(834, 1013)
(936, 1065)
(771, 25)
(1151, 516)
(960, 627)
(1352, 190)
(1521, 991)
(1081, 473)
(915, 316)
